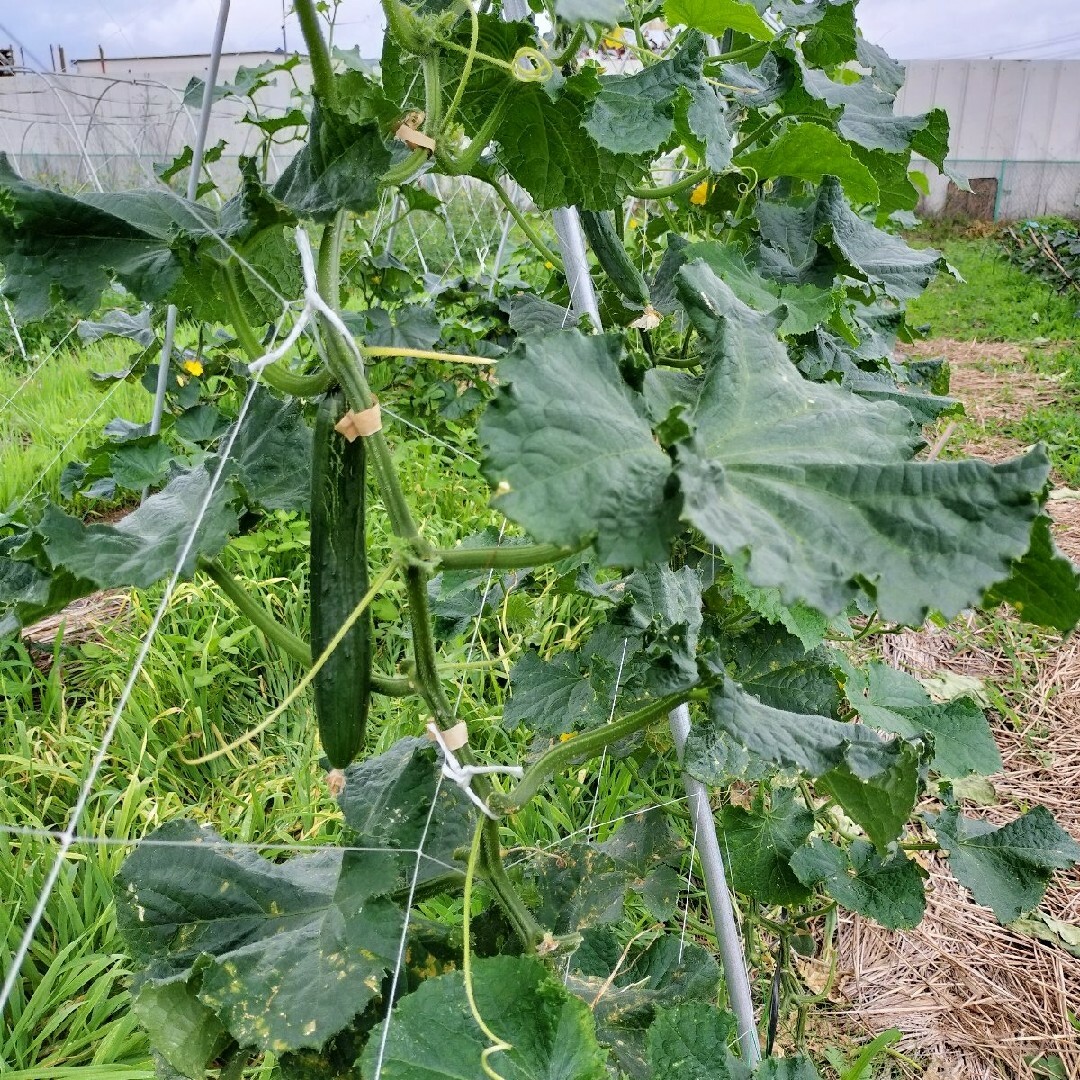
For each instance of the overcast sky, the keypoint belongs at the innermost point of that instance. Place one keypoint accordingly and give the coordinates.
(909, 29)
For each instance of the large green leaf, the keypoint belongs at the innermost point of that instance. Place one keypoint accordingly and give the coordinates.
(1006, 869)
(893, 701)
(625, 989)
(716, 17)
(690, 1042)
(801, 228)
(285, 954)
(28, 593)
(432, 1034)
(387, 802)
(635, 114)
(338, 169)
(760, 843)
(1044, 586)
(889, 891)
(182, 1030)
(571, 454)
(811, 152)
(145, 546)
(814, 744)
(811, 482)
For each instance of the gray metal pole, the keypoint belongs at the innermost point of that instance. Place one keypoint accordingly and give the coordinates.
(572, 245)
(198, 151)
(716, 887)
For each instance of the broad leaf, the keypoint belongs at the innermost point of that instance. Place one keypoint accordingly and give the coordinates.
(1044, 586)
(811, 152)
(182, 1030)
(1006, 869)
(147, 545)
(571, 454)
(625, 991)
(715, 17)
(387, 802)
(759, 844)
(338, 169)
(432, 1034)
(892, 701)
(889, 891)
(690, 1042)
(310, 931)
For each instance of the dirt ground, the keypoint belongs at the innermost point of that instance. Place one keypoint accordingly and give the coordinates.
(977, 1000)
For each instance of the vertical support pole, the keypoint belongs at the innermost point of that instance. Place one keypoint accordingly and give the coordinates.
(723, 913)
(572, 245)
(999, 195)
(198, 151)
(572, 241)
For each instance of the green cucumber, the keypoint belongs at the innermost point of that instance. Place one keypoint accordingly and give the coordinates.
(612, 256)
(338, 581)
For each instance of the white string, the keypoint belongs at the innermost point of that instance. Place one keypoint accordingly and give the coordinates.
(112, 841)
(611, 717)
(67, 837)
(689, 884)
(463, 775)
(434, 438)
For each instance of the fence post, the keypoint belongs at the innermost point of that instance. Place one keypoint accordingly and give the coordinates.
(192, 191)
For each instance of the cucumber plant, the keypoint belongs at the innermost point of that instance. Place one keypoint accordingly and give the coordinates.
(732, 485)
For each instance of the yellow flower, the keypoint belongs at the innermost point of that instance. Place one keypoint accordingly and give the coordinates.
(566, 736)
(193, 367)
(549, 266)
(700, 193)
(634, 223)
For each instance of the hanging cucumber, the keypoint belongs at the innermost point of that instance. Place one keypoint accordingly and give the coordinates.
(338, 582)
(613, 257)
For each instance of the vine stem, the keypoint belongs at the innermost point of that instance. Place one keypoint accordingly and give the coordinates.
(466, 70)
(667, 190)
(497, 1045)
(379, 351)
(586, 745)
(322, 72)
(308, 678)
(523, 224)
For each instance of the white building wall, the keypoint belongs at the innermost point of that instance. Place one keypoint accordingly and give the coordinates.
(1016, 122)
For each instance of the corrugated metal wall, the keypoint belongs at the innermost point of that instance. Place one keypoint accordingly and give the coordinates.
(1015, 122)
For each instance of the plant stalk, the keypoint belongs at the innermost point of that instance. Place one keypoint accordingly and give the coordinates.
(587, 745)
(667, 190)
(520, 557)
(322, 72)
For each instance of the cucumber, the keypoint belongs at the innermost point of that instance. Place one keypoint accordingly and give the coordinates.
(612, 256)
(338, 581)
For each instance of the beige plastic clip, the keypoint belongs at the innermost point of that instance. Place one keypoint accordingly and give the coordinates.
(415, 140)
(359, 425)
(453, 738)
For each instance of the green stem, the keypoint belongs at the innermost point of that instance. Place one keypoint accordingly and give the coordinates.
(453, 46)
(254, 612)
(667, 190)
(582, 746)
(523, 224)
(518, 557)
(432, 94)
(737, 54)
(279, 375)
(405, 169)
(466, 70)
(464, 163)
(322, 73)
(427, 671)
(572, 47)
(521, 918)
(284, 639)
(328, 273)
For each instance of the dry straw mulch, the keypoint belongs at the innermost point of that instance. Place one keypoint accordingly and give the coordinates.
(981, 1001)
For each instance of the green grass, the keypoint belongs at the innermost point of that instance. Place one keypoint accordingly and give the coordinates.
(996, 301)
(50, 417)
